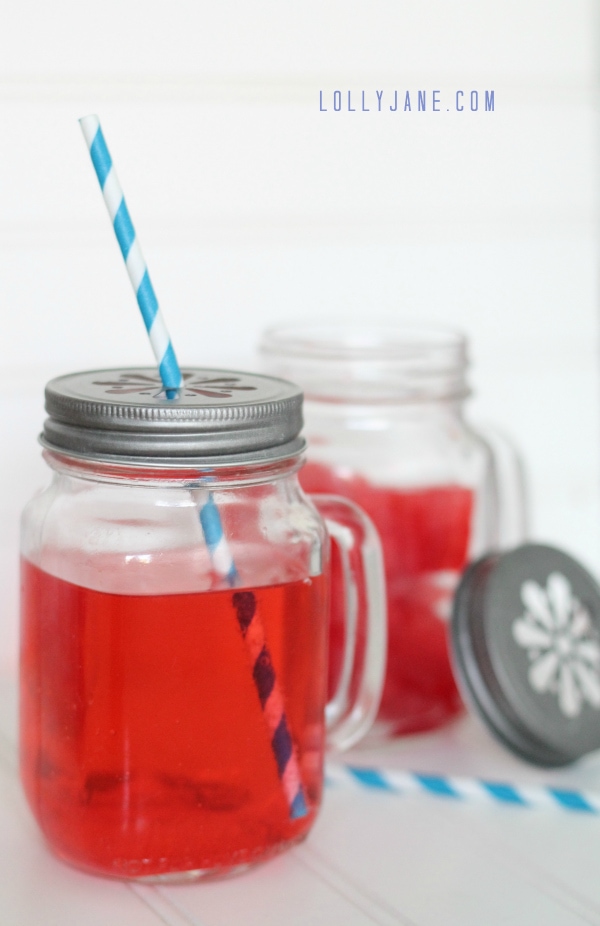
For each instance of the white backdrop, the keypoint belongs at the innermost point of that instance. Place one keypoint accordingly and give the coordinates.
(253, 206)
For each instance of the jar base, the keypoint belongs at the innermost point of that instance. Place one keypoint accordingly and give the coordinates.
(179, 877)
(201, 874)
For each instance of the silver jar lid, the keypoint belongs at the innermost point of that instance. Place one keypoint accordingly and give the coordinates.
(124, 415)
(525, 637)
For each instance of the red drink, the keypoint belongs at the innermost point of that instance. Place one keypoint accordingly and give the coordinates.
(425, 536)
(144, 747)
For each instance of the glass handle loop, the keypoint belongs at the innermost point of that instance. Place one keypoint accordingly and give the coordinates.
(337, 707)
(349, 716)
(509, 488)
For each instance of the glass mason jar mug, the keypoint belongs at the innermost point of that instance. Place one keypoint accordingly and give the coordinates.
(385, 427)
(175, 589)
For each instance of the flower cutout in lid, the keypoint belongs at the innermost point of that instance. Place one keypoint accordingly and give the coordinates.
(561, 642)
(213, 387)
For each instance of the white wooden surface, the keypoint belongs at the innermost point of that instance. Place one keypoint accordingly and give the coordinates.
(372, 858)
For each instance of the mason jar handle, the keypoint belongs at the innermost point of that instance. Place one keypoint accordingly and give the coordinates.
(509, 487)
(348, 719)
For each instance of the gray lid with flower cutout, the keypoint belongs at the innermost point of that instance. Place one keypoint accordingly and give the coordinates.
(125, 415)
(526, 648)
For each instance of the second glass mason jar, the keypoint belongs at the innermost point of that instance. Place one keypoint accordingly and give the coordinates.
(385, 427)
(175, 590)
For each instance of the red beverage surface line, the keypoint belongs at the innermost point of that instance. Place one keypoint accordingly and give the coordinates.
(425, 536)
(144, 747)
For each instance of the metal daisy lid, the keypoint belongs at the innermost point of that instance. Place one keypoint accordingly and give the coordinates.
(525, 637)
(124, 415)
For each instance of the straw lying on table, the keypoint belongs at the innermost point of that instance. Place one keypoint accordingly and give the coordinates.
(463, 788)
(265, 680)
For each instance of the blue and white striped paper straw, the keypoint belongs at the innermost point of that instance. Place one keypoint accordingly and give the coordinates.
(129, 244)
(210, 519)
(463, 788)
(271, 702)
(168, 367)
(263, 671)
(212, 528)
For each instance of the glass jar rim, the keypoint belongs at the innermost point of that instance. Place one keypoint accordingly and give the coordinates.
(373, 340)
(370, 362)
(228, 473)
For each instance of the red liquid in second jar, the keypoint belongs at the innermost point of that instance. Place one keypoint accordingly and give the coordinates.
(425, 536)
(144, 747)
